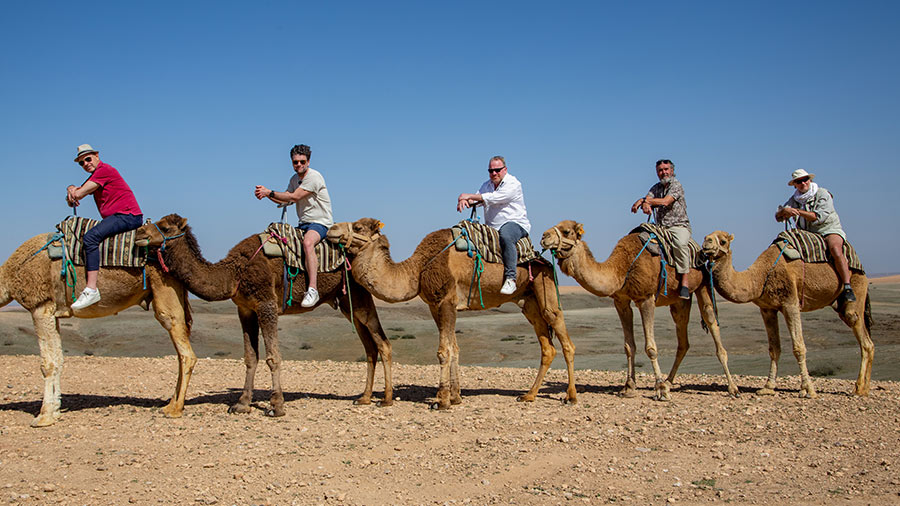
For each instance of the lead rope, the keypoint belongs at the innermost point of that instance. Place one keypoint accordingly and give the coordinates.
(555, 279)
(712, 288)
(162, 247)
(347, 268)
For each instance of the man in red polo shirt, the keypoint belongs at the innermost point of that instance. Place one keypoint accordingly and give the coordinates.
(118, 208)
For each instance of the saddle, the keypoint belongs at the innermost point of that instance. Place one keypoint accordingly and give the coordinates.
(283, 240)
(115, 251)
(662, 239)
(811, 248)
(470, 235)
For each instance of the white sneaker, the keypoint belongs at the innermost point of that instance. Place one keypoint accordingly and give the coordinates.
(86, 298)
(311, 298)
(509, 286)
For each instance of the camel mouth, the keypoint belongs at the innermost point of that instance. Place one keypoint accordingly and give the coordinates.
(142, 242)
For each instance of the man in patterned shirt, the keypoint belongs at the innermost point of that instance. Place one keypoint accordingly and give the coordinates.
(667, 197)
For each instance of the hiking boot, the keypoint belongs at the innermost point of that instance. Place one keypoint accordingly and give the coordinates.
(509, 286)
(87, 298)
(311, 298)
(684, 293)
(846, 296)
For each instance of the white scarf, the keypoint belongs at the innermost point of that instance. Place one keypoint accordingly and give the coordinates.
(803, 198)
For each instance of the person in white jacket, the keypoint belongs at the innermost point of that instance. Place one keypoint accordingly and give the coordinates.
(504, 210)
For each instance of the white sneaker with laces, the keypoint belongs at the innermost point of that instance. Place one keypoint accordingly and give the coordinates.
(311, 298)
(509, 286)
(87, 298)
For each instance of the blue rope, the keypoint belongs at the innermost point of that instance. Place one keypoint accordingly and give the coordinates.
(347, 282)
(712, 288)
(293, 276)
(57, 236)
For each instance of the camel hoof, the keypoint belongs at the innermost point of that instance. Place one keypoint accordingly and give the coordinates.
(735, 394)
(385, 403)
(570, 401)
(170, 412)
(362, 401)
(765, 391)
(44, 421)
(628, 393)
(525, 398)
(437, 406)
(275, 412)
(456, 400)
(808, 394)
(239, 408)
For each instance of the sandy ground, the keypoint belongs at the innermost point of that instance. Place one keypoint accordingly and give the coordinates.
(113, 447)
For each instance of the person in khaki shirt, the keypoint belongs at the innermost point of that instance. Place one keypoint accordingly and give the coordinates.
(813, 207)
(308, 192)
(667, 196)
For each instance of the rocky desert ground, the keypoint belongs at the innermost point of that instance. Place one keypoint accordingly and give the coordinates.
(112, 446)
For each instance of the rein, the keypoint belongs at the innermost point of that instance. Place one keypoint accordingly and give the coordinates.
(162, 247)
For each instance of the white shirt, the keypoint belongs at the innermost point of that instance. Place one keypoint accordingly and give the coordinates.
(505, 203)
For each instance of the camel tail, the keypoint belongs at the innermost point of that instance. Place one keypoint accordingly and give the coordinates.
(868, 315)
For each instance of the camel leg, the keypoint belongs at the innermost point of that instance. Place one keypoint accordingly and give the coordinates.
(770, 320)
(268, 325)
(548, 352)
(626, 317)
(250, 327)
(173, 313)
(795, 327)
(647, 308)
(46, 326)
(855, 319)
(444, 315)
(553, 315)
(681, 315)
(455, 394)
(358, 321)
(708, 313)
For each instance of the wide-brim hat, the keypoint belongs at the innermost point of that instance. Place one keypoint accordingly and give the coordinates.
(84, 149)
(797, 174)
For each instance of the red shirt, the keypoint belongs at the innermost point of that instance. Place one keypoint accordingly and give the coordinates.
(114, 195)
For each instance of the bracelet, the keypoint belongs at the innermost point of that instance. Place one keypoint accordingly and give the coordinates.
(271, 193)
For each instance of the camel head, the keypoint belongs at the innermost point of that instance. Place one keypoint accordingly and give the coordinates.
(717, 244)
(356, 235)
(154, 234)
(563, 237)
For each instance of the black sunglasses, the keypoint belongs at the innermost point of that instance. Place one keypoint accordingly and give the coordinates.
(801, 180)
(85, 160)
(301, 162)
(494, 171)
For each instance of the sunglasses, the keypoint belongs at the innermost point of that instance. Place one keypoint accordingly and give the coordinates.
(300, 162)
(801, 180)
(494, 171)
(85, 160)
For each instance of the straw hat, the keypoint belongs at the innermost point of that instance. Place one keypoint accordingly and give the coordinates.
(84, 149)
(797, 174)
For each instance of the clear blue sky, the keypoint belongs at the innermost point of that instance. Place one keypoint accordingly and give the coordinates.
(404, 103)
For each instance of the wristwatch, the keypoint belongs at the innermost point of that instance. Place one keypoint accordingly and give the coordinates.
(271, 193)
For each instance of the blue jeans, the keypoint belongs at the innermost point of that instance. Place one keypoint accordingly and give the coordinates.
(111, 225)
(510, 233)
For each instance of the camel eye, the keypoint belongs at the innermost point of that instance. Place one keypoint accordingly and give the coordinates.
(722, 242)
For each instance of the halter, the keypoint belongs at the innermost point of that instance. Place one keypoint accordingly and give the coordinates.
(562, 241)
(162, 247)
(359, 238)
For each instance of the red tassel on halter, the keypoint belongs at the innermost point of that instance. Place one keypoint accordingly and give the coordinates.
(162, 262)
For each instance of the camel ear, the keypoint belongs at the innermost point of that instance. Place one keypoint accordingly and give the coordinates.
(380, 225)
(182, 223)
(730, 237)
(579, 229)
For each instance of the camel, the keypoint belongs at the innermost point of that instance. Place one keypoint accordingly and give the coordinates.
(255, 284)
(442, 277)
(792, 287)
(625, 282)
(34, 281)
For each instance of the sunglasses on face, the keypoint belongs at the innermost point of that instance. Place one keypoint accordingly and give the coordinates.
(85, 160)
(300, 162)
(494, 171)
(801, 180)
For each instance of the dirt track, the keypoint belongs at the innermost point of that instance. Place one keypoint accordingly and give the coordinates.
(113, 447)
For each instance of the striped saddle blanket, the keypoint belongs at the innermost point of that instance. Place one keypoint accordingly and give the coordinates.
(283, 240)
(115, 251)
(663, 239)
(486, 241)
(811, 248)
